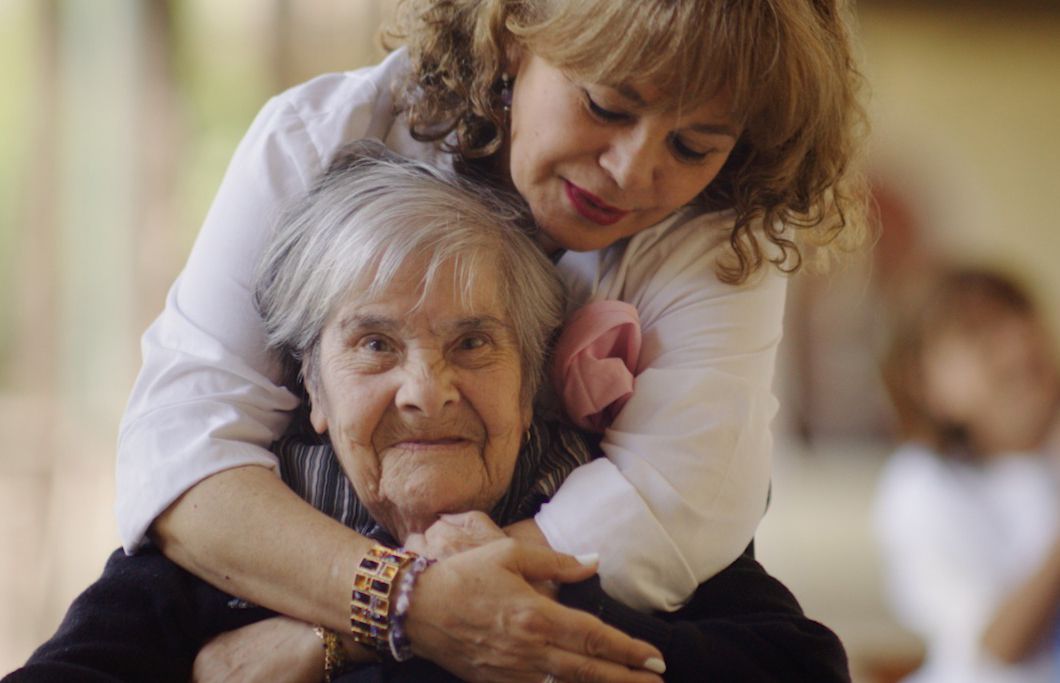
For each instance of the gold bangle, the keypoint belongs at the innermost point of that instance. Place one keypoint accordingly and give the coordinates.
(335, 657)
(370, 599)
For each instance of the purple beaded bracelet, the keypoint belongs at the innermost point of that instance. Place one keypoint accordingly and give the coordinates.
(400, 646)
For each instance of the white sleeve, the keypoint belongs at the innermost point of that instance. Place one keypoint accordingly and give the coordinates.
(207, 397)
(686, 476)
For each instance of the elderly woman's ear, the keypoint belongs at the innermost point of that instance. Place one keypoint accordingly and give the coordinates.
(317, 413)
(317, 416)
(528, 415)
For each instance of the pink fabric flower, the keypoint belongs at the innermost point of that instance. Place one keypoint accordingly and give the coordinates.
(595, 361)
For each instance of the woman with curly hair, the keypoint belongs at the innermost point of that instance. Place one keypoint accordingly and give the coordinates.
(681, 156)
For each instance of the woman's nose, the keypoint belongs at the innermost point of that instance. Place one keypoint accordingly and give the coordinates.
(427, 387)
(630, 160)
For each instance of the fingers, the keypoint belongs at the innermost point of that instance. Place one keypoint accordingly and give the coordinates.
(417, 543)
(510, 633)
(538, 563)
(575, 668)
(540, 637)
(468, 530)
(585, 645)
(453, 534)
(474, 522)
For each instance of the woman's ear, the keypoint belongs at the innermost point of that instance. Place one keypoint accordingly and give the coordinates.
(317, 410)
(527, 414)
(317, 417)
(513, 57)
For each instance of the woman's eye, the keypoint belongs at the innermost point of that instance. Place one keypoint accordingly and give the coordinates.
(377, 345)
(471, 343)
(685, 152)
(602, 113)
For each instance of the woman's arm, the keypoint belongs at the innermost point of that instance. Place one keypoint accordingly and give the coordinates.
(1026, 618)
(686, 476)
(256, 539)
(279, 649)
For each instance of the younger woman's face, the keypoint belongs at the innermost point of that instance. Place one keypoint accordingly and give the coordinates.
(597, 164)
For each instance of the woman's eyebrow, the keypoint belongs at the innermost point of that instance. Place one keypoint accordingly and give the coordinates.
(630, 93)
(637, 101)
(358, 324)
(362, 323)
(715, 129)
(478, 323)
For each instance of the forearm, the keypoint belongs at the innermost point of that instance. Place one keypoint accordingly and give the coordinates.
(245, 532)
(1026, 616)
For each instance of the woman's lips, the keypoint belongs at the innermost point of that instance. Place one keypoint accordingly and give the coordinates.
(426, 444)
(592, 207)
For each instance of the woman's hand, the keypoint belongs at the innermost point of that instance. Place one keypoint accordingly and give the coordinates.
(476, 615)
(527, 531)
(279, 649)
(453, 534)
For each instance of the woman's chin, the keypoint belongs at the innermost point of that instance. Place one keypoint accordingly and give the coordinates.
(416, 513)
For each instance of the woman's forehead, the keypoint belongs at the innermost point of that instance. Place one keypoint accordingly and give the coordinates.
(448, 298)
(383, 318)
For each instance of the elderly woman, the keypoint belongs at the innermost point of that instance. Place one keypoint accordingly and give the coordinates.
(418, 320)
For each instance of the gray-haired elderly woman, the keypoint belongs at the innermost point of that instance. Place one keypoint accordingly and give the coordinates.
(418, 318)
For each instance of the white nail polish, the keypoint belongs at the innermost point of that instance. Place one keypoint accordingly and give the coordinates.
(655, 665)
(588, 558)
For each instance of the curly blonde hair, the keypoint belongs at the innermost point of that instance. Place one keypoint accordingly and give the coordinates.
(789, 66)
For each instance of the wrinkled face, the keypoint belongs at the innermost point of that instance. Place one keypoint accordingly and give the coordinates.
(597, 164)
(422, 400)
(999, 382)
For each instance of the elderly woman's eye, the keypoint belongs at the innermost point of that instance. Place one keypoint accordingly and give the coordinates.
(377, 345)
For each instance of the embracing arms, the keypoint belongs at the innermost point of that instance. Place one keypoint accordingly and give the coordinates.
(687, 465)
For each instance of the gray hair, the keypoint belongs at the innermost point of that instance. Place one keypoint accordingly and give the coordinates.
(373, 213)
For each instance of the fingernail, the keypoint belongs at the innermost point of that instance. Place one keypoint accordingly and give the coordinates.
(655, 665)
(588, 558)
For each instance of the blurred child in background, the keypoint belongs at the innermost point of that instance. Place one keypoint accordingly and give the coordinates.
(967, 508)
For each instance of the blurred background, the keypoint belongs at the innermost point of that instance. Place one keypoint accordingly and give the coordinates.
(117, 118)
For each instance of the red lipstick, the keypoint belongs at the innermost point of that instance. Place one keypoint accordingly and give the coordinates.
(591, 207)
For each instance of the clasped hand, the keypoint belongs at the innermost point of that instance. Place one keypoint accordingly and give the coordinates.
(480, 612)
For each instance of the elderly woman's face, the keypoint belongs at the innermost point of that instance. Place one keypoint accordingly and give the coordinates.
(422, 403)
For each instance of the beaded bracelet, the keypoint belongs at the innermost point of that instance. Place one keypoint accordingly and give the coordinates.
(370, 597)
(400, 646)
